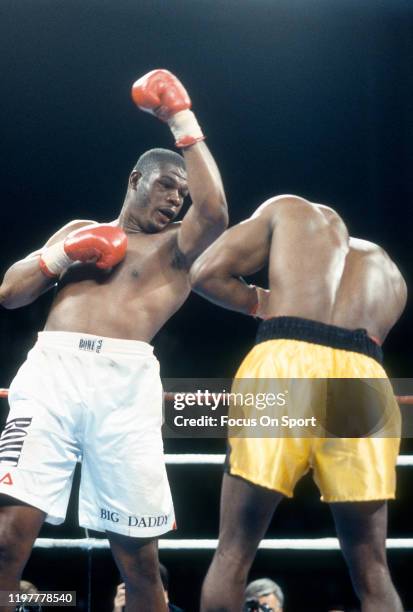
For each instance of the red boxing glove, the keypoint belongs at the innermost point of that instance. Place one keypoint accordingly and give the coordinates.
(160, 93)
(104, 242)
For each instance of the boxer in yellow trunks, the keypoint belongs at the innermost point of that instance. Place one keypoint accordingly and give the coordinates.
(331, 302)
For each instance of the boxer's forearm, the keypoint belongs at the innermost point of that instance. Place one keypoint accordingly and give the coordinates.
(205, 184)
(228, 292)
(23, 283)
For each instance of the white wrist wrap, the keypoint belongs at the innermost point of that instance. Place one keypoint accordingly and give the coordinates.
(54, 260)
(254, 309)
(185, 128)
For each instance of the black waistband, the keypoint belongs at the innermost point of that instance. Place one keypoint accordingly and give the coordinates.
(295, 328)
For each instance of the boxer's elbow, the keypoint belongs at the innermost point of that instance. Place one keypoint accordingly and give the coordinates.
(207, 274)
(14, 295)
(6, 297)
(200, 274)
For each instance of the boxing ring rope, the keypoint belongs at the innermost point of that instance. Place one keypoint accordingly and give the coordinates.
(313, 544)
(216, 459)
(200, 544)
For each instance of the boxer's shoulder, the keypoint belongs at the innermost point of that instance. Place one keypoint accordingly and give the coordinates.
(365, 246)
(368, 252)
(282, 204)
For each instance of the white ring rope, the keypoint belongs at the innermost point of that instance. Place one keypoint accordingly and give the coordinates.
(174, 544)
(405, 460)
(215, 459)
(195, 459)
(204, 544)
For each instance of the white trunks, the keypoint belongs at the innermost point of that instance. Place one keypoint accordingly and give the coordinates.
(100, 400)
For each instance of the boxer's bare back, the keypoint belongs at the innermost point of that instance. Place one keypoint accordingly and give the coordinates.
(316, 271)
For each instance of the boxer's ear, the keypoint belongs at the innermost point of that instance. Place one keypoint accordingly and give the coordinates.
(134, 179)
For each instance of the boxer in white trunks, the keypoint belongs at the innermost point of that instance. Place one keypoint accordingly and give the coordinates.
(90, 387)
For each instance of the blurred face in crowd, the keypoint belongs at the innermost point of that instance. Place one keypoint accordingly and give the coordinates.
(271, 601)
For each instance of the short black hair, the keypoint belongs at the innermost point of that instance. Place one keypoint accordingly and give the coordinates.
(153, 158)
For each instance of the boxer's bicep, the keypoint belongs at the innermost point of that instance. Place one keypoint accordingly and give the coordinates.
(240, 251)
(217, 274)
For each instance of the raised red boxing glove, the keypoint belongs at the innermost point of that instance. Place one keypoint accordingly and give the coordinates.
(104, 242)
(160, 93)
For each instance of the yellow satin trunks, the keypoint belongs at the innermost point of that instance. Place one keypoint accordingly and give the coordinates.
(345, 469)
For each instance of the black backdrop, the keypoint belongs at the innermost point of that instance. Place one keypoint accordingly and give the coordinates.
(312, 98)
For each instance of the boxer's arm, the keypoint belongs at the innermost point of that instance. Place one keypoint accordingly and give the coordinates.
(207, 217)
(161, 93)
(240, 251)
(24, 281)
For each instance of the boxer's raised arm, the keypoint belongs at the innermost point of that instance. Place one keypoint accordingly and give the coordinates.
(240, 251)
(160, 93)
(81, 241)
(207, 218)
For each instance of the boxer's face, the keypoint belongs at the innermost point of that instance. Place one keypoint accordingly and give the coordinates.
(160, 195)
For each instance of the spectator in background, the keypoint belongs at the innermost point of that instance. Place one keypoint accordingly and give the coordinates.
(264, 592)
(165, 583)
(28, 588)
(119, 601)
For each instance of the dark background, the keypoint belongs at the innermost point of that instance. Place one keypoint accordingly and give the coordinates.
(295, 96)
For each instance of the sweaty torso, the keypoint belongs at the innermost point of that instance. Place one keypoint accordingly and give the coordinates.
(317, 272)
(133, 300)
